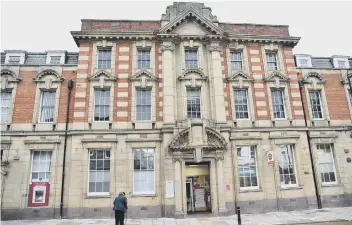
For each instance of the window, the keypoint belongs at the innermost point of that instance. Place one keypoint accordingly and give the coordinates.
(277, 98)
(193, 103)
(6, 99)
(315, 101)
(104, 58)
(143, 171)
(55, 59)
(41, 166)
(99, 172)
(143, 105)
(143, 59)
(303, 62)
(241, 104)
(236, 60)
(326, 163)
(191, 59)
(287, 167)
(14, 59)
(47, 106)
(341, 64)
(101, 105)
(247, 167)
(350, 95)
(271, 61)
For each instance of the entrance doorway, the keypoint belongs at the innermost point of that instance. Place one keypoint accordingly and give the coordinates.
(198, 191)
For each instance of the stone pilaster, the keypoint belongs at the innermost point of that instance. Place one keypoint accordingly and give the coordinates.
(217, 82)
(220, 180)
(168, 82)
(178, 186)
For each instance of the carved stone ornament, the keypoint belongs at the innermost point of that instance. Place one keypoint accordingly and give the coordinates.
(167, 47)
(346, 77)
(215, 48)
(219, 155)
(48, 72)
(215, 140)
(143, 72)
(181, 140)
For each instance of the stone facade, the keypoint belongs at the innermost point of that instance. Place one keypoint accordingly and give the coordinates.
(216, 134)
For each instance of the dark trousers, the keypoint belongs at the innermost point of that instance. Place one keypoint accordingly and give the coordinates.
(119, 217)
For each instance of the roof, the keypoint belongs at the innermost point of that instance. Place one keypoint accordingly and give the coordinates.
(39, 58)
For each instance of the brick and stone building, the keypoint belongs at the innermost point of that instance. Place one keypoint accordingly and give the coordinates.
(184, 114)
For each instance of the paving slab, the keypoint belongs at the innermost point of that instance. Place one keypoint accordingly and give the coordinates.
(329, 216)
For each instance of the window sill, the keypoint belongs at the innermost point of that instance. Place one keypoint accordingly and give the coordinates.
(87, 196)
(251, 190)
(143, 195)
(331, 185)
(291, 188)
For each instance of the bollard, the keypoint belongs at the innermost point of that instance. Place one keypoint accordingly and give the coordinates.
(239, 216)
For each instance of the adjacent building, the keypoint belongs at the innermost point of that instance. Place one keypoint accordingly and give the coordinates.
(184, 114)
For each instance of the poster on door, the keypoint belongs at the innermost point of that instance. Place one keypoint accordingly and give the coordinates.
(39, 194)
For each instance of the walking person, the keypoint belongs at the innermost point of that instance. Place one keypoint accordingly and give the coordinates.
(120, 207)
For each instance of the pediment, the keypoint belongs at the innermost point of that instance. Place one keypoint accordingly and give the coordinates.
(53, 74)
(190, 28)
(314, 76)
(187, 72)
(8, 77)
(186, 20)
(106, 75)
(143, 73)
(214, 141)
(239, 74)
(276, 75)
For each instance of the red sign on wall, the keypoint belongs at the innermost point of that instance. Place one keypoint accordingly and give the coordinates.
(39, 194)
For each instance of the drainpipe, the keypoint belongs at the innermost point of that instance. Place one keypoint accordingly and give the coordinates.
(300, 83)
(69, 86)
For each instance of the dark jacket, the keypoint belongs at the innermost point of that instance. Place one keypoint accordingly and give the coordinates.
(120, 203)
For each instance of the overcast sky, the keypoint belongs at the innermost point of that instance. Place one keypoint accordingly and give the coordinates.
(325, 27)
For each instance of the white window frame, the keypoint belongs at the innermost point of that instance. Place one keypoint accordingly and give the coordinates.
(40, 106)
(32, 161)
(98, 193)
(154, 173)
(282, 90)
(7, 107)
(185, 60)
(200, 102)
(17, 61)
(321, 104)
(333, 163)
(251, 147)
(111, 57)
(276, 60)
(289, 147)
(248, 103)
(233, 61)
(55, 57)
(94, 104)
(139, 50)
(151, 105)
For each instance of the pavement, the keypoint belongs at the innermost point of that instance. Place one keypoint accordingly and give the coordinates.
(331, 216)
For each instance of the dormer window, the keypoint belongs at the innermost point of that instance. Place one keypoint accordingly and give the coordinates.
(271, 61)
(303, 62)
(143, 59)
(191, 59)
(341, 64)
(55, 59)
(14, 59)
(236, 60)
